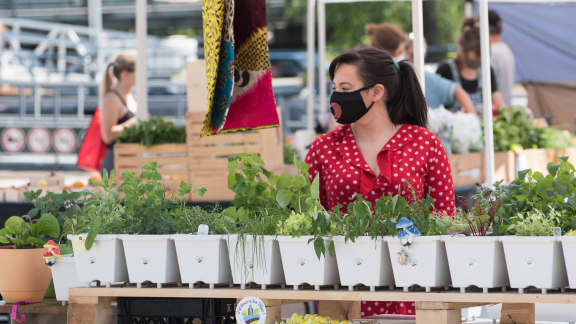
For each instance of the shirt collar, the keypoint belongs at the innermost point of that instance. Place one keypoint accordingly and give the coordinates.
(346, 145)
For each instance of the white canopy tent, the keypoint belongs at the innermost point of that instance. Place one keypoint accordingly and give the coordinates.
(418, 30)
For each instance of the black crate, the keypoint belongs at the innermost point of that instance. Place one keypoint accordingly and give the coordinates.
(175, 311)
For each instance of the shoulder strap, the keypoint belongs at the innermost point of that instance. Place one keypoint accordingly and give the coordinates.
(114, 91)
(455, 71)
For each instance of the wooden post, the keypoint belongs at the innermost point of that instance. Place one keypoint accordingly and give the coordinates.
(91, 310)
(339, 310)
(273, 310)
(437, 313)
(518, 314)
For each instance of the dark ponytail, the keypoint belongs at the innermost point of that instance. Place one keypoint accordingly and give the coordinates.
(405, 101)
(408, 104)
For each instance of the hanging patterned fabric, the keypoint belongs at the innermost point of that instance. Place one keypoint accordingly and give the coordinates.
(239, 79)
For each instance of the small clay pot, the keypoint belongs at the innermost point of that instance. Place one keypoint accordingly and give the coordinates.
(23, 275)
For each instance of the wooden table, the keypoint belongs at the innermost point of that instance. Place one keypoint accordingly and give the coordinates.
(49, 311)
(95, 305)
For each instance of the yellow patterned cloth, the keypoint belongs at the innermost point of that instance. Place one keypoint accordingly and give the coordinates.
(240, 94)
(212, 22)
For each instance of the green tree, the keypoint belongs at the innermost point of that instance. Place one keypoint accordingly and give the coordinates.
(345, 22)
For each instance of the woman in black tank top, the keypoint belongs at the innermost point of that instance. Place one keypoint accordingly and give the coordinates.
(115, 113)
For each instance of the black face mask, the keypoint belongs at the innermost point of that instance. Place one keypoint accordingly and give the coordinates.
(348, 107)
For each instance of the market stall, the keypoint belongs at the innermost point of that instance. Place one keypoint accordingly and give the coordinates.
(276, 241)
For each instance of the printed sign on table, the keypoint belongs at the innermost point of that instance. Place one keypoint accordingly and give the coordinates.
(251, 310)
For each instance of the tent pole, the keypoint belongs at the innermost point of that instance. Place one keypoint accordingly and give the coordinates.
(141, 59)
(418, 30)
(322, 54)
(310, 43)
(486, 93)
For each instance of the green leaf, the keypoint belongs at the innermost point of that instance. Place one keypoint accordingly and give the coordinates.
(15, 224)
(200, 191)
(47, 225)
(553, 168)
(94, 230)
(315, 188)
(284, 197)
(184, 188)
(4, 236)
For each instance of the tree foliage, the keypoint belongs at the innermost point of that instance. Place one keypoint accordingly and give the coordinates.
(345, 22)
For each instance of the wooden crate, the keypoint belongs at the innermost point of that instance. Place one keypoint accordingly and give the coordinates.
(208, 156)
(469, 169)
(536, 159)
(172, 161)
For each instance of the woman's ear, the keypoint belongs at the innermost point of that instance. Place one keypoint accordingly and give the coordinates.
(378, 92)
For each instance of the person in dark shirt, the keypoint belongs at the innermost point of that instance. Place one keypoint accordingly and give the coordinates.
(465, 69)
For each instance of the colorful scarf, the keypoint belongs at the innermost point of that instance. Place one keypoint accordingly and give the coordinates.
(239, 79)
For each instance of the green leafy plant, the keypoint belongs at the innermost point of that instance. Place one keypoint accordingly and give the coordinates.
(534, 223)
(513, 129)
(24, 233)
(101, 213)
(137, 206)
(289, 154)
(360, 220)
(554, 138)
(63, 205)
(536, 191)
(152, 132)
(421, 213)
(479, 219)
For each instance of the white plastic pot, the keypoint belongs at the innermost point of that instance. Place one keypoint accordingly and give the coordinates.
(427, 266)
(476, 261)
(64, 277)
(535, 261)
(151, 258)
(255, 259)
(569, 249)
(104, 262)
(365, 261)
(302, 265)
(203, 258)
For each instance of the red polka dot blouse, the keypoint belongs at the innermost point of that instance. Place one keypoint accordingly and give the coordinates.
(413, 157)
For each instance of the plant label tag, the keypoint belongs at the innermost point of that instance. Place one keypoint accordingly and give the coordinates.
(251, 310)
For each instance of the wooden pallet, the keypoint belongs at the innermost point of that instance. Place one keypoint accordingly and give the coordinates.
(431, 308)
(208, 156)
(172, 161)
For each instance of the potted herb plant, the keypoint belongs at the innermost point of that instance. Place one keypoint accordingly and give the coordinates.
(201, 246)
(418, 253)
(362, 247)
(251, 222)
(477, 259)
(534, 256)
(98, 252)
(24, 276)
(308, 255)
(532, 206)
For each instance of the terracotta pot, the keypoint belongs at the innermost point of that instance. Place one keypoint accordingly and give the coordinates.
(23, 275)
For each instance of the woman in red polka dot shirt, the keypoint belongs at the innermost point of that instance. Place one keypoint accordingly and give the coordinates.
(383, 147)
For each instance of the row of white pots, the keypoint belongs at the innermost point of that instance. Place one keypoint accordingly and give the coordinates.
(434, 261)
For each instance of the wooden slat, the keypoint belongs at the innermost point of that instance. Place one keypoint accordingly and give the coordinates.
(217, 151)
(180, 173)
(448, 297)
(160, 160)
(196, 140)
(155, 149)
